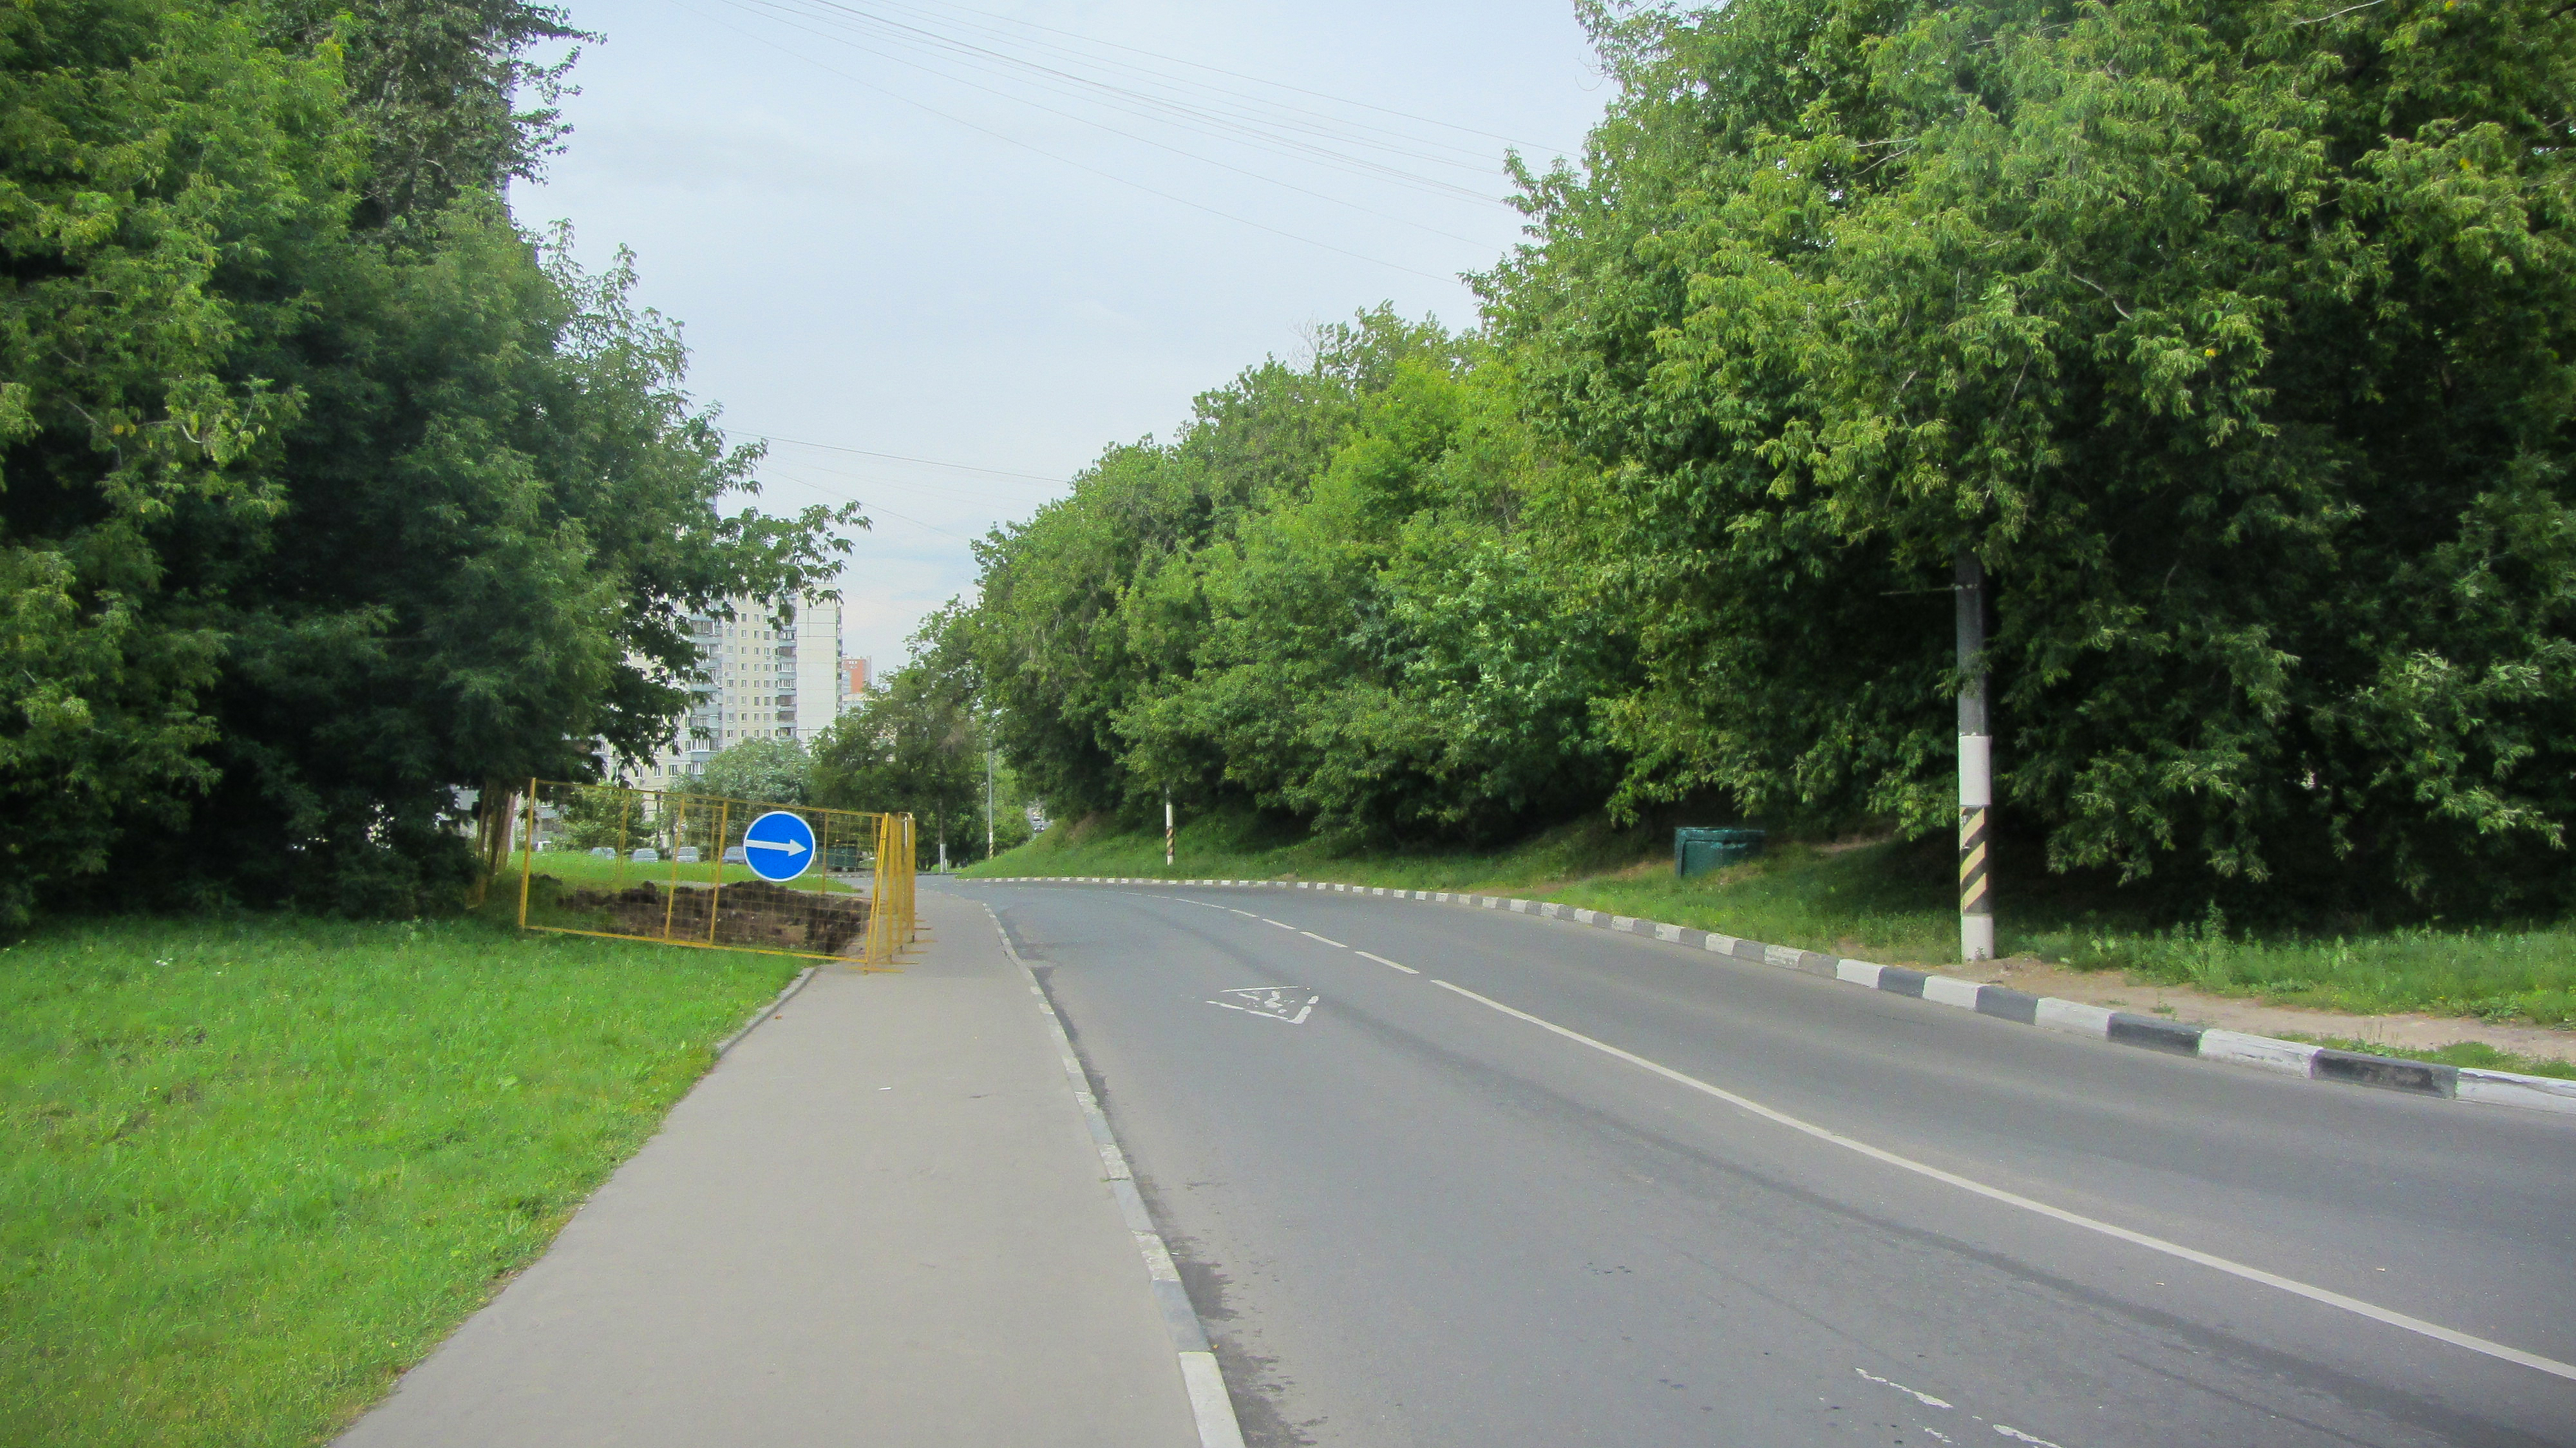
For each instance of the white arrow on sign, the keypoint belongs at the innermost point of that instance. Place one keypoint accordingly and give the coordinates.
(1273, 1001)
(793, 847)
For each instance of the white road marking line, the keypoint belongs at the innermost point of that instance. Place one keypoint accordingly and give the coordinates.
(1311, 935)
(2353, 1305)
(1269, 1000)
(1926, 1399)
(2019, 1436)
(1382, 960)
(1246, 914)
(1282, 924)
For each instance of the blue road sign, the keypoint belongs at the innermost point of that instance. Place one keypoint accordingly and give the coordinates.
(779, 845)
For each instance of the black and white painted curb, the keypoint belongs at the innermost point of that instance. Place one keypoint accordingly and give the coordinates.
(1209, 1404)
(2263, 1053)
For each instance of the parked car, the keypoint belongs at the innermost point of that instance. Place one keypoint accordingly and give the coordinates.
(685, 854)
(645, 855)
(602, 852)
(734, 855)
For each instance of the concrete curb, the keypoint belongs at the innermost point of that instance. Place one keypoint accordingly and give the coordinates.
(1209, 1404)
(765, 1012)
(2208, 1043)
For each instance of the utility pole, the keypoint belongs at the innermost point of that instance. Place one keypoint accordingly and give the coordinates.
(1976, 764)
(1167, 827)
(988, 801)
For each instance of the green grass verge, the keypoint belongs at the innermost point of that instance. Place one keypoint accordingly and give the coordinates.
(1885, 902)
(253, 1168)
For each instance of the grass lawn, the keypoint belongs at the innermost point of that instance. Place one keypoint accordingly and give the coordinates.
(251, 1168)
(1886, 902)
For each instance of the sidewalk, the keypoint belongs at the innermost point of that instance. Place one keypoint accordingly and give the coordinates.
(880, 1220)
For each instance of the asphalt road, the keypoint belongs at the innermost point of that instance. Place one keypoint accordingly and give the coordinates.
(1412, 1217)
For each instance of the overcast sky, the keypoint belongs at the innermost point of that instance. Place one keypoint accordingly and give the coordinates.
(917, 229)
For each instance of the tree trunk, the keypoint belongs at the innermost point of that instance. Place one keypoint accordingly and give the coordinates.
(494, 811)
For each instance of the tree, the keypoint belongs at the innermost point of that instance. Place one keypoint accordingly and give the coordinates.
(145, 145)
(764, 771)
(915, 744)
(1334, 598)
(2235, 340)
(435, 87)
(312, 519)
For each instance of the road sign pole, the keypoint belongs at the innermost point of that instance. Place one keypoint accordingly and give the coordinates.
(715, 892)
(1976, 765)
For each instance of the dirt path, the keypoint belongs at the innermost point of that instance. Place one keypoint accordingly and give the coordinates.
(2235, 1013)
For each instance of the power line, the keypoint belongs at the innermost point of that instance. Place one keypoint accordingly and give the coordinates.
(1066, 160)
(1352, 166)
(1225, 111)
(941, 488)
(893, 457)
(876, 508)
(1257, 80)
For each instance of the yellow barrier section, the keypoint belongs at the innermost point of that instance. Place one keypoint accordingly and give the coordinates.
(673, 868)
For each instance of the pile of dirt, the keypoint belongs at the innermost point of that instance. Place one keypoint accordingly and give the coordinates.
(758, 915)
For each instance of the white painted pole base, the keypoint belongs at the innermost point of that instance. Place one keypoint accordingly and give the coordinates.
(1976, 937)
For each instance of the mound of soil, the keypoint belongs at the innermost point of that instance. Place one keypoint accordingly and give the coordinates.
(754, 914)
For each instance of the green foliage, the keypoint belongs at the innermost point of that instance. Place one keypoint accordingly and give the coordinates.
(600, 819)
(1328, 598)
(151, 152)
(1235, 843)
(324, 492)
(2235, 339)
(918, 743)
(433, 86)
(251, 1169)
(765, 771)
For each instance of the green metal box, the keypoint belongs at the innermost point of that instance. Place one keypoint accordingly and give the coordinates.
(1697, 851)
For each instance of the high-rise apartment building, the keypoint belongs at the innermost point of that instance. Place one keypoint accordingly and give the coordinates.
(854, 682)
(758, 681)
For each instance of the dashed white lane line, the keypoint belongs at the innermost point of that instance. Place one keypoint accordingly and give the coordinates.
(1282, 924)
(1311, 935)
(1382, 960)
(2295, 1288)
(1917, 1394)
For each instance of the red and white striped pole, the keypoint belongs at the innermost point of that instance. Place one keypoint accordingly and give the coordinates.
(1167, 829)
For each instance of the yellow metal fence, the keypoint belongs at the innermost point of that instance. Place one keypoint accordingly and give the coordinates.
(673, 868)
